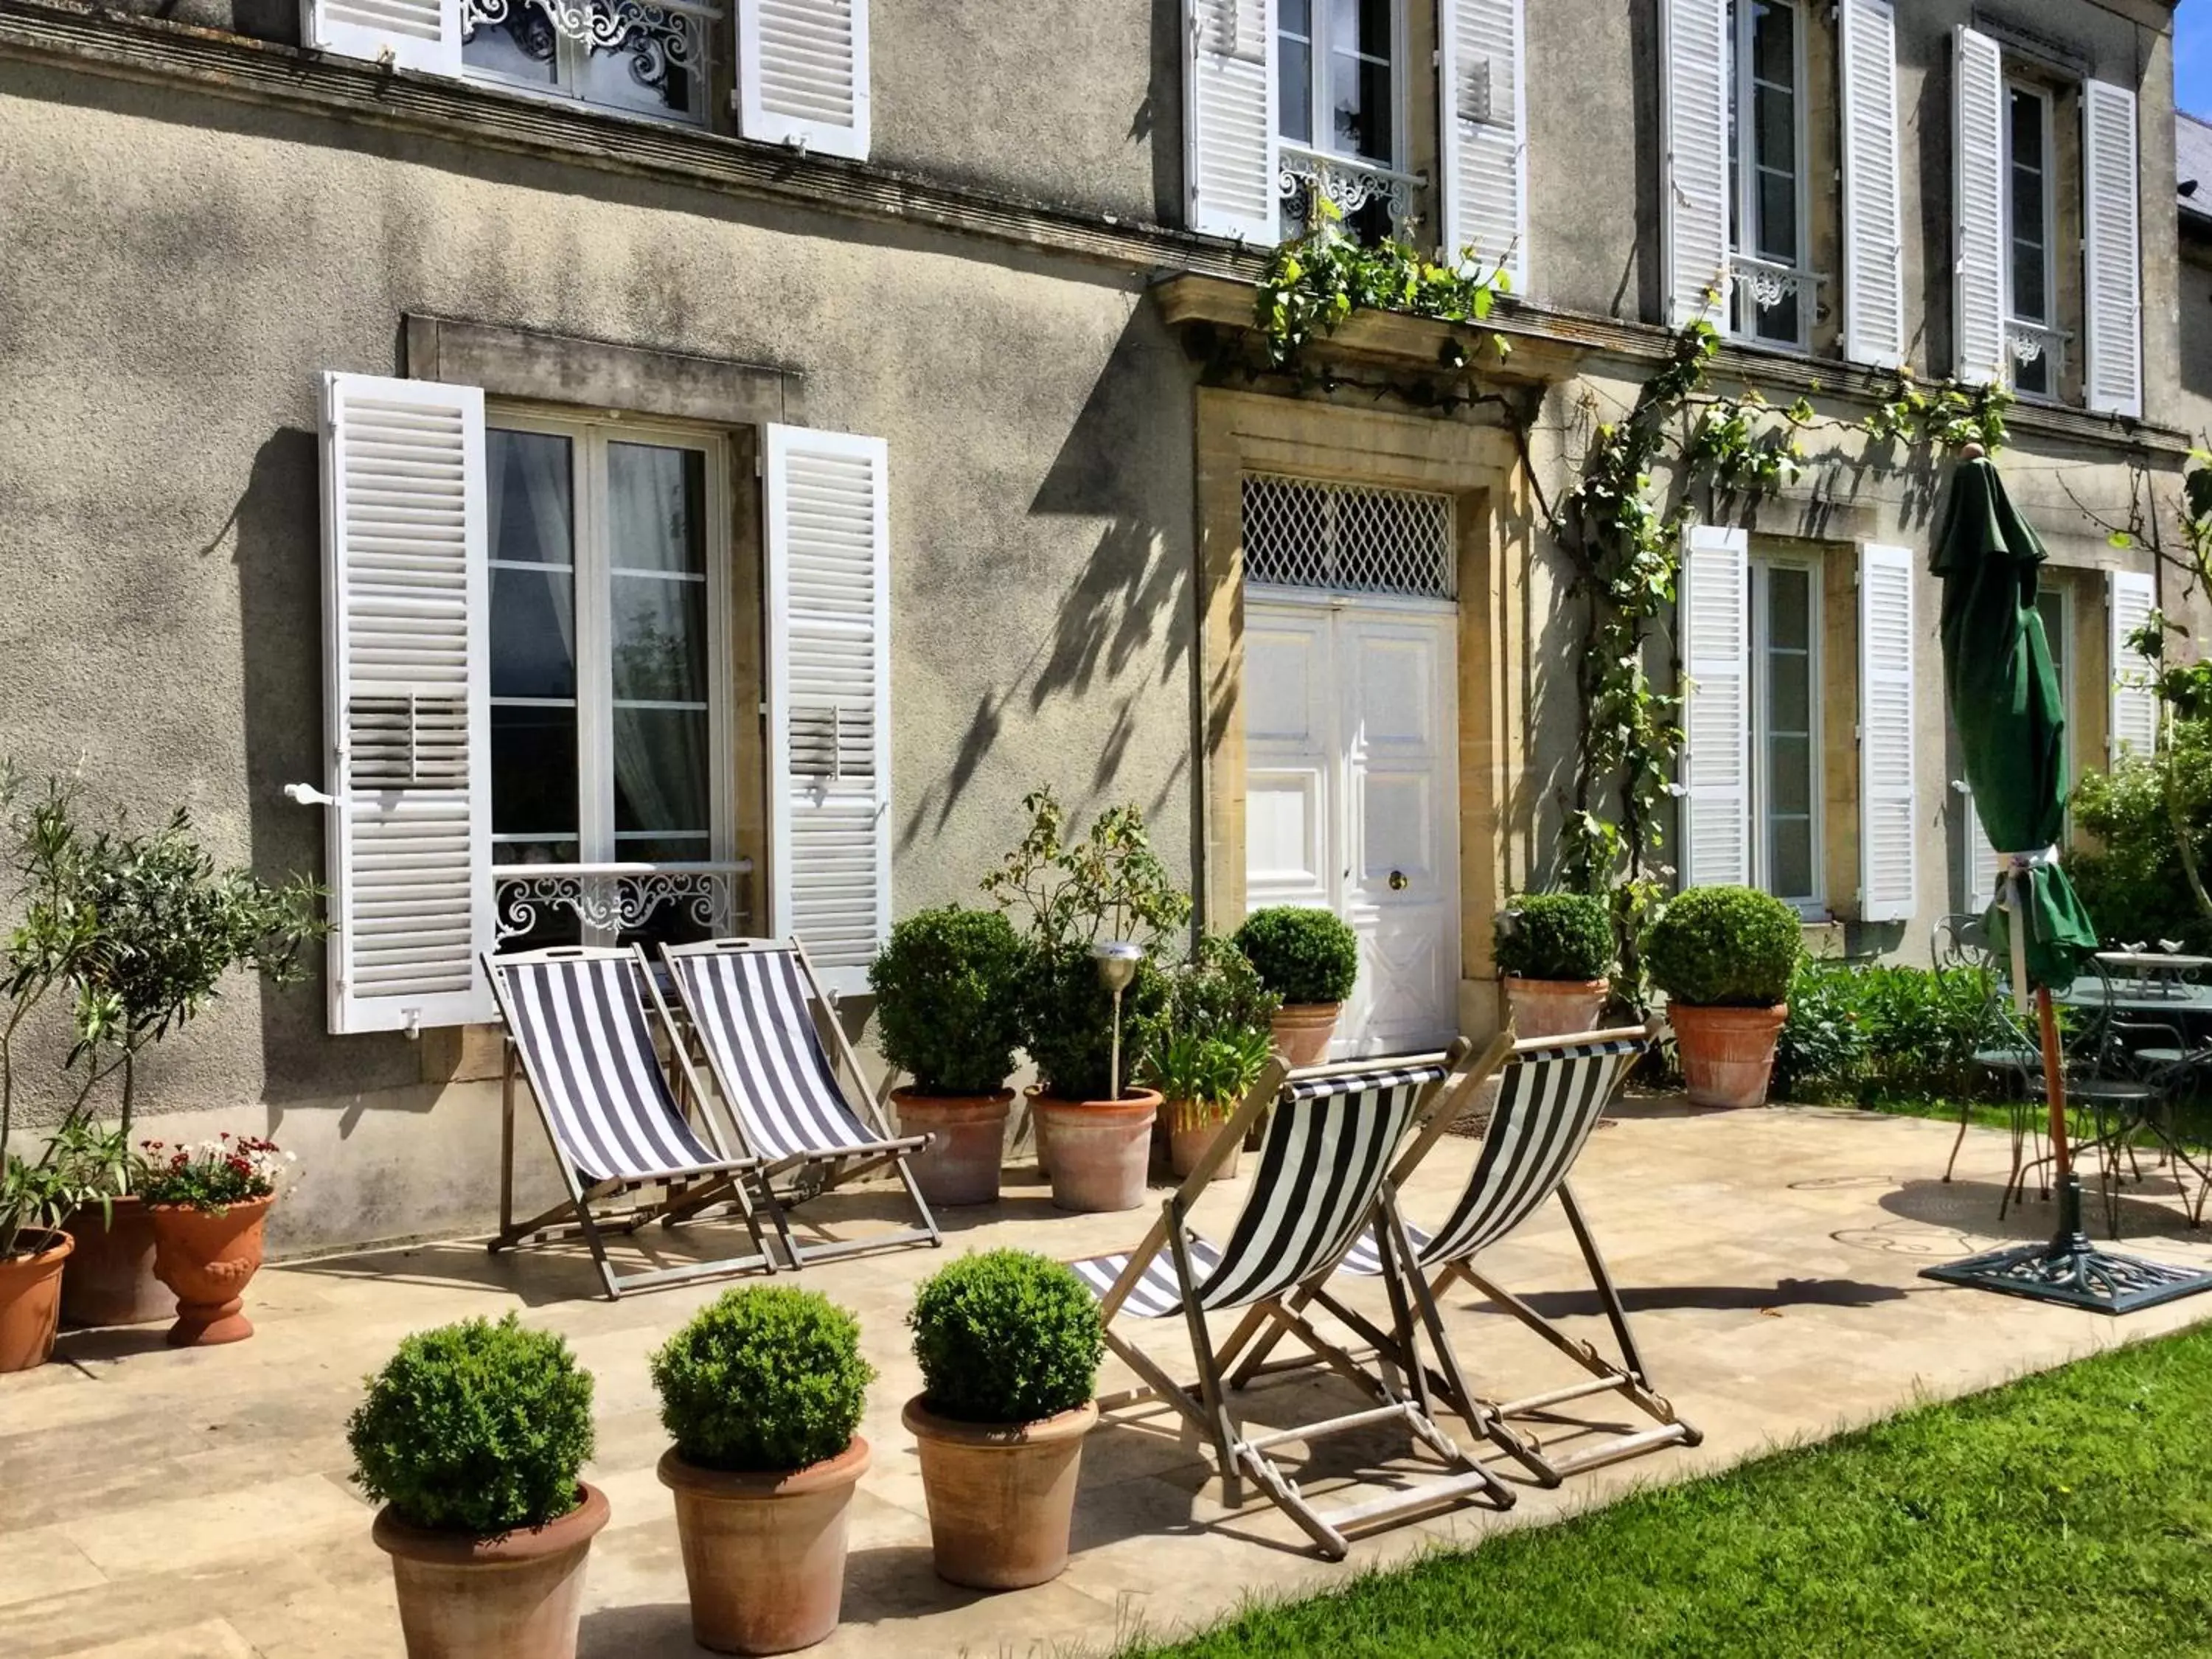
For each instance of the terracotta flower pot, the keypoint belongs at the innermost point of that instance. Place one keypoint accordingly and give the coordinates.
(31, 1298)
(967, 1144)
(764, 1555)
(518, 1596)
(110, 1278)
(206, 1257)
(1191, 1130)
(1301, 1030)
(1555, 1007)
(1101, 1150)
(1001, 1497)
(1728, 1054)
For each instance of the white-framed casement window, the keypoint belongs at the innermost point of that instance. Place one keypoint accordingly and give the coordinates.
(1774, 296)
(1785, 747)
(1339, 113)
(622, 54)
(2032, 341)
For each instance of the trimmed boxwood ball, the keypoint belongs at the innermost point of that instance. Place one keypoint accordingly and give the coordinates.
(1303, 955)
(475, 1428)
(1725, 947)
(946, 986)
(1006, 1337)
(763, 1379)
(1555, 936)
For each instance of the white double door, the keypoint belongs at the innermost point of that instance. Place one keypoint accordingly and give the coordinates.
(1352, 796)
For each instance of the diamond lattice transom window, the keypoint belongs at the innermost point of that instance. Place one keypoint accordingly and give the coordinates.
(1302, 534)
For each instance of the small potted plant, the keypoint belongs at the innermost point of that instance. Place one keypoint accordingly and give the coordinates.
(1555, 950)
(946, 986)
(1310, 959)
(473, 1437)
(763, 1392)
(1206, 1054)
(1724, 956)
(209, 1201)
(1009, 1344)
(36, 1202)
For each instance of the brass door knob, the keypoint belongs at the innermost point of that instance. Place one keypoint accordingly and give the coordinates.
(1398, 882)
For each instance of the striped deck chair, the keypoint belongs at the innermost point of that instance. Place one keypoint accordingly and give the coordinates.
(576, 1027)
(1333, 1139)
(1549, 1101)
(752, 1005)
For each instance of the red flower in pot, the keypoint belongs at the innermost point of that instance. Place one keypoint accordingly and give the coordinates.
(207, 1201)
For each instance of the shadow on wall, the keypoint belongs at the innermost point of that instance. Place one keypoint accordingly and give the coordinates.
(1159, 122)
(1645, 278)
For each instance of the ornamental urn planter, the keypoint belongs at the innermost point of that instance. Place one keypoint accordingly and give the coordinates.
(1555, 1007)
(110, 1278)
(764, 1553)
(1101, 1149)
(1192, 1129)
(517, 1596)
(1301, 1030)
(207, 1256)
(1728, 1054)
(1001, 1496)
(966, 1143)
(31, 1297)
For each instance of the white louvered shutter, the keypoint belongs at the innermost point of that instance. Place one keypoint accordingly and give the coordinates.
(1229, 118)
(1888, 806)
(1715, 629)
(2112, 249)
(1984, 862)
(405, 593)
(1873, 238)
(803, 74)
(411, 34)
(829, 687)
(1978, 205)
(1481, 88)
(2132, 724)
(1693, 113)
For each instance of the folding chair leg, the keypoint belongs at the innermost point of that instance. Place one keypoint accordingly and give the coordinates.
(921, 1205)
(505, 1153)
(1616, 1315)
(1209, 1376)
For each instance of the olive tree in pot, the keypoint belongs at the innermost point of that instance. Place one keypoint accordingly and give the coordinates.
(763, 1392)
(1009, 1344)
(1724, 956)
(1555, 950)
(1209, 1048)
(473, 1437)
(1310, 959)
(945, 986)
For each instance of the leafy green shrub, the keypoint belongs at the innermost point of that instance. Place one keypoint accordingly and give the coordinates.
(475, 1428)
(1303, 955)
(1724, 947)
(1068, 1021)
(1006, 1337)
(1555, 936)
(1821, 1055)
(1879, 1034)
(2128, 869)
(946, 985)
(1205, 1077)
(1211, 1044)
(1218, 992)
(766, 1377)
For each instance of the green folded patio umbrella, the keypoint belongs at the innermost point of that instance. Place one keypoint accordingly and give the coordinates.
(2011, 719)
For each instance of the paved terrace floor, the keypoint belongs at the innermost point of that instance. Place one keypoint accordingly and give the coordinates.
(197, 1503)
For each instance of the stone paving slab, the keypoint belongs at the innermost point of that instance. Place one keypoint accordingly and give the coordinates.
(196, 1503)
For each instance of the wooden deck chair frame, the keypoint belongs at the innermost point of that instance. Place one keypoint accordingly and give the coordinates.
(686, 1195)
(808, 1175)
(1496, 1420)
(1400, 1395)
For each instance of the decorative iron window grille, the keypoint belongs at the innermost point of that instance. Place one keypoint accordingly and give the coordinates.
(648, 58)
(1302, 532)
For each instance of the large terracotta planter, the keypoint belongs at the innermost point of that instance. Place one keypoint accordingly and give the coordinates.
(110, 1278)
(518, 1596)
(1555, 1007)
(31, 1298)
(1101, 1149)
(1191, 1131)
(1303, 1031)
(966, 1143)
(764, 1555)
(1001, 1497)
(206, 1257)
(1728, 1054)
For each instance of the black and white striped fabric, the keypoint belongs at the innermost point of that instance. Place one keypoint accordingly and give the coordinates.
(750, 1010)
(1548, 1102)
(1330, 1143)
(580, 1024)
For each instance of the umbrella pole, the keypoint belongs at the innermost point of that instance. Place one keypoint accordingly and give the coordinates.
(2068, 1239)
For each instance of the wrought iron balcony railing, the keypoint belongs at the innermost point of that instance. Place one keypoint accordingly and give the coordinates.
(1352, 187)
(707, 896)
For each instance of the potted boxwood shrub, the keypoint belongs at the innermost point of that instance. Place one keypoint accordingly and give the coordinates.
(1310, 959)
(763, 1392)
(473, 1437)
(209, 1202)
(1724, 956)
(1210, 1048)
(1009, 1344)
(945, 986)
(1555, 950)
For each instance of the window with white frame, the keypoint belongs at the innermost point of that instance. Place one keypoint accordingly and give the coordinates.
(1785, 749)
(1339, 85)
(650, 59)
(1774, 296)
(2031, 339)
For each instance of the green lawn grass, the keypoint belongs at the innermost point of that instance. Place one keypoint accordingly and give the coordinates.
(2066, 1514)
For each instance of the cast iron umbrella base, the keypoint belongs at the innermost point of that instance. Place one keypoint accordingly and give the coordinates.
(2071, 1270)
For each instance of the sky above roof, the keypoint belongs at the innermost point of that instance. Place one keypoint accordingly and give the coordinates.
(2192, 57)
